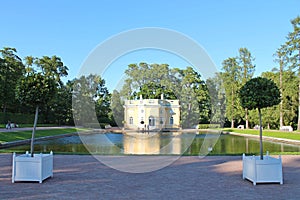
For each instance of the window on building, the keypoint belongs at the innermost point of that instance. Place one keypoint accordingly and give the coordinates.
(131, 120)
(151, 121)
(171, 120)
(161, 120)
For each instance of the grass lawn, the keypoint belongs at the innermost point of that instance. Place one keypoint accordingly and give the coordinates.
(270, 133)
(30, 125)
(22, 135)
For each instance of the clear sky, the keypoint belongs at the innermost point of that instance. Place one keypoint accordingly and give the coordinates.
(72, 29)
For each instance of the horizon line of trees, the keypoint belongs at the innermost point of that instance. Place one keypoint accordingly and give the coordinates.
(215, 100)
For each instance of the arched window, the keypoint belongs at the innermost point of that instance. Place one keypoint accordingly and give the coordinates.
(171, 120)
(131, 120)
(151, 121)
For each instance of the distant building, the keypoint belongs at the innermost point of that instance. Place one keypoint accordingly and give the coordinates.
(144, 114)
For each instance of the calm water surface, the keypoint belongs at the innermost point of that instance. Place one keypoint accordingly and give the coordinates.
(162, 144)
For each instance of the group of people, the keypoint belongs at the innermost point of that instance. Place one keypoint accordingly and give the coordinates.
(11, 125)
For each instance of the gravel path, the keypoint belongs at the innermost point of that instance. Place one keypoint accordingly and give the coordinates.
(213, 177)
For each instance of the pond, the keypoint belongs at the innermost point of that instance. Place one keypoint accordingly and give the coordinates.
(156, 144)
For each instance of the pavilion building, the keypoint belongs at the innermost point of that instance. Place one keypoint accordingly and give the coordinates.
(151, 114)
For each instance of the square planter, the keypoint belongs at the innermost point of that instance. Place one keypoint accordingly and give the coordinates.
(36, 168)
(268, 170)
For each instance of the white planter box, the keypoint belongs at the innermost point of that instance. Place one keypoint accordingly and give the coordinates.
(268, 170)
(27, 168)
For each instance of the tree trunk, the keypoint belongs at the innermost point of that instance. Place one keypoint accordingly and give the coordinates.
(246, 116)
(260, 136)
(33, 131)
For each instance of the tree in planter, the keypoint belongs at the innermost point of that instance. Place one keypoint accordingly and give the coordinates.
(39, 85)
(259, 93)
(35, 89)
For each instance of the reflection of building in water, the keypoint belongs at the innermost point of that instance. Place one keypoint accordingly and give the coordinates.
(138, 143)
(151, 114)
(141, 144)
(173, 146)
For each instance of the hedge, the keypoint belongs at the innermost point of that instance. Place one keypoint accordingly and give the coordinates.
(207, 126)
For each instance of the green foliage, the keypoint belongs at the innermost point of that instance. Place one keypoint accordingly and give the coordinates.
(292, 52)
(19, 118)
(90, 95)
(117, 110)
(36, 89)
(231, 79)
(237, 71)
(11, 70)
(152, 80)
(289, 98)
(259, 93)
(208, 126)
(218, 99)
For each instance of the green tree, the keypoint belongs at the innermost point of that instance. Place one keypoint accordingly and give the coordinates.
(247, 68)
(259, 93)
(293, 51)
(288, 105)
(61, 106)
(38, 87)
(193, 94)
(35, 89)
(218, 99)
(281, 59)
(11, 70)
(116, 105)
(90, 100)
(231, 79)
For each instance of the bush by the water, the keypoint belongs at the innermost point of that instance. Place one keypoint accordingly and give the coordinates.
(206, 126)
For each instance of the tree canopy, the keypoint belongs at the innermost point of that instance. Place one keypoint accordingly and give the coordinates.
(259, 93)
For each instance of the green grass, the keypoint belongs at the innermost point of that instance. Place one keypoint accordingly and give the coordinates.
(270, 133)
(30, 125)
(22, 135)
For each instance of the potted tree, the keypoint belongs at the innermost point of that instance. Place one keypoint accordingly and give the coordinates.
(37, 88)
(260, 93)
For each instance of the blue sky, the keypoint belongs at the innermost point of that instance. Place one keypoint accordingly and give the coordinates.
(72, 29)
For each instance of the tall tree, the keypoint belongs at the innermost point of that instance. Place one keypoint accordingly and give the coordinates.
(218, 99)
(246, 64)
(289, 98)
(116, 105)
(11, 70)
(293, 50)
(90, 100)
(281, 59)
(259, 93)
(231, 79)
(193, 95)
